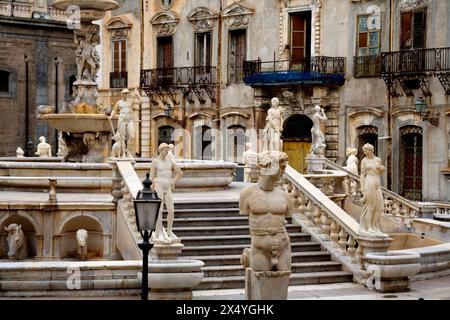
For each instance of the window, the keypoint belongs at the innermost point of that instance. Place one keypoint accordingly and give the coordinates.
(366, 134)
(413, 30)
(118, 78)
(4, 81)
(165, 60)
(300, 34)
(166, 3)
(368, 39)
(237, 55)
(411, 162)
(203, 49)
(235, 143)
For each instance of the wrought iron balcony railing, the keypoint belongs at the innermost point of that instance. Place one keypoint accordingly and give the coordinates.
(415, 61)
(118, 80)
(180, 76)
(314, 70)
(167, 83)
(367, 66)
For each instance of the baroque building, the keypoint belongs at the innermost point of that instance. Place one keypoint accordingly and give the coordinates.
(379, 68)
(36, 67)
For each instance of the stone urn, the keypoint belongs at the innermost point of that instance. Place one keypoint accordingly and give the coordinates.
(390, 271)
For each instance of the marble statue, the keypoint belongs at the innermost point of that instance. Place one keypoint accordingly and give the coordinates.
(62, 148)
(17, 244)
(82, 248)
(250, 157)
(118, 148)
(170, 155)
(20, 153)
(274, 127)
(352, 160)
(161, 170)
(318, 138)
(43, 148)
(126, 128)
(269, 257)
(373, 202)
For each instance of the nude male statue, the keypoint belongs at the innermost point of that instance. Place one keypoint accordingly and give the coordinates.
(274, 127)
(161, 170)
(126, 128)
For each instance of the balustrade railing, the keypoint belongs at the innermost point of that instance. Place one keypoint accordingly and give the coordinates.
(180, 76)
(415, 61)
(397, 208)
(367, 66)
(118, 80)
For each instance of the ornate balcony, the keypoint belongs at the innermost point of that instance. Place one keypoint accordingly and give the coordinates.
(409, 69)
(367, 66)
(118, 80)
(312, 71)
(189, 81)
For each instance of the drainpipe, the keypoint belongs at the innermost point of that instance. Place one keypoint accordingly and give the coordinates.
(219, 60)
(142, 67)
(28, 143)
(389, 142)
(56, 99)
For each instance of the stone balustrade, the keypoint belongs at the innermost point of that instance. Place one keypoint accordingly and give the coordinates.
(26, 9)
(397, 209)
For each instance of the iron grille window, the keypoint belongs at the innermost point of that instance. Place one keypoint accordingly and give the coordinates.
(411, 159)
(166, 135)
(366, 134)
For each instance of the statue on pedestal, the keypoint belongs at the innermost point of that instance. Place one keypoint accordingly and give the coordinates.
(161, 170)
(318, 138)
(43, 148)
(352, 160)
(268, 261)
(274, 127)
(20, 153)
(126, 128)
(373, 202)
(250, 157)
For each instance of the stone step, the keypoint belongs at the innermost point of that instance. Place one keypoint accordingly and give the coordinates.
(205, 212)
(238, 282)
(234, 239)
(238, 248)
(235, 259)
(214, 203)
(221, 230)
(299, 267)
(210, 221)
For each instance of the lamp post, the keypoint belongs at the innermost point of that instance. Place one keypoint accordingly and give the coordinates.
(421, 106)
(146, 207)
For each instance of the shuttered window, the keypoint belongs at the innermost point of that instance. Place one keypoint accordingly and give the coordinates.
(237, 54)
(120, 56)
(203, 49)
(413, 30)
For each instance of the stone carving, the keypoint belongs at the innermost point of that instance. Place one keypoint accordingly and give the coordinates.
(268, 261)
(250, 158)
(165, 22)
(126, 128)
(96, 144)
(202, 19)
(318, 138)
(20, 153)
(43, 109)
(43, 148)
(274, 127)
(88, 60)
(161, 170)
(52, 182)
(352, 160)
(82, 248)
(170, 155)
(17, 244)
(373, 202)
(118, 148)
(236, 15)
(413, 4)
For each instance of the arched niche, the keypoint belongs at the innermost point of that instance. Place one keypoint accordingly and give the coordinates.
(66, 243)
(29, 228)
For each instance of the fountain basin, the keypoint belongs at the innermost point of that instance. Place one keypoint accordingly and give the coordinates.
(90, 9)
(79, 123)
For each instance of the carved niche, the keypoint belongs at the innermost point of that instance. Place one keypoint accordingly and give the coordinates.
(118, 28)
(202, 19)
(165, 22)
(237, 16)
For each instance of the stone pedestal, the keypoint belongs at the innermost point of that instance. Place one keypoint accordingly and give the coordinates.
(314, 163)
(266, 285)
(171, 278)
(390, 271)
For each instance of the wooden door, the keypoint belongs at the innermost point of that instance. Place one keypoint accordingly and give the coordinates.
(165, 60)
(300, 40)
(297, 151)
(237, 55)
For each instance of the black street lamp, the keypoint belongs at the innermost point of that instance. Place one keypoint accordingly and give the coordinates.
(421, 107)
(146, 207)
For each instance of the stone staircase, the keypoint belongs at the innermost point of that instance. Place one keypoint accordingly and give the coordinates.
(215, 233)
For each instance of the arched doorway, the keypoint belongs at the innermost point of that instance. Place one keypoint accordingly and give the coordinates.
(297, 140)
(166, 135)
(366, 134)
(203, 143)
(235, 143)
(411, 148)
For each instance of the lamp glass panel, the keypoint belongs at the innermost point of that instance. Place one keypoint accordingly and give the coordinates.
(147, 214)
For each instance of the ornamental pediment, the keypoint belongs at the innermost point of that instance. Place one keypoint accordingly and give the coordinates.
(202, 18)
(165, 22)
(236, 9)
(118, 23)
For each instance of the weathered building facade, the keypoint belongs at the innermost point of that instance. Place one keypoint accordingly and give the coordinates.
(210, 69)
(37, 61)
